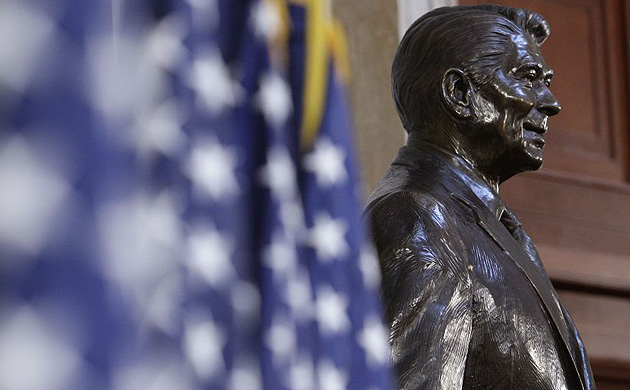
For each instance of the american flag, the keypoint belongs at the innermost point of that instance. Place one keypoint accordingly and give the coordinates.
(179, 200)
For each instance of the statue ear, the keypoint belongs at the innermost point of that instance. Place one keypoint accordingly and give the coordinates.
(457, 93)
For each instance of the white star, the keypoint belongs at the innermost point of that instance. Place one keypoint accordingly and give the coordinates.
(279, 174)
(152, 372)
(245, 301)
(374, 340)
(203, 347)
(201, 5)
(212, 82)
(301, 374)
(160, 130)
(299, 296)
(145, 228)
(163, 305)
(209, 255)
(265, 20)
(280, 338)
(274, 99)
(211, 168)
(331, 311)
(123, 79)
(327, 237)
(159, 215)
(32, 192)
(33, 356)
(330, 377)
(165, 43)
(292, 217)
(148, 230)
(370, 268)
(326, 162)
(245, 375)
(204, 13)
(25, 32)
(280, 255)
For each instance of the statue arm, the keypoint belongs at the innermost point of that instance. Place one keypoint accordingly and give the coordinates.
(427, 288)
(581, 359)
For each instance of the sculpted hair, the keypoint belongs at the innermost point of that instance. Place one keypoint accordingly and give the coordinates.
(470, 38)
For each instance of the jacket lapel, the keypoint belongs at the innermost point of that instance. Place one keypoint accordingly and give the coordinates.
(539, 280)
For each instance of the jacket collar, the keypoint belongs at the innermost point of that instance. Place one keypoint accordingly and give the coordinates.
(424, 155)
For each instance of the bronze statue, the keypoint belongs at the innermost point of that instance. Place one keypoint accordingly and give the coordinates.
(468, 300)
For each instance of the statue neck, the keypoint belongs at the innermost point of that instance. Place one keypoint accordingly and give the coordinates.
(452, 144)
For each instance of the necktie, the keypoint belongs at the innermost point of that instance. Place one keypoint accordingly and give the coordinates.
(515, 227)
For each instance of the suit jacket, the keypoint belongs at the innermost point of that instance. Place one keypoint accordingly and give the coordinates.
(468, 300)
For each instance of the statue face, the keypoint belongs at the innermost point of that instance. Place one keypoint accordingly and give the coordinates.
(513, 109)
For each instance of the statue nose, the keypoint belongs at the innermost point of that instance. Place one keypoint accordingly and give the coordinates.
(549, 105)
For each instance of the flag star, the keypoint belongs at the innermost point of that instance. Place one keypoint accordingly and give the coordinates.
(374, 340)
(331, 311)
(292, 216)
(212, 169)
(274, 99)
(165, 43)
(151, 372)
(212, 82)
(201, 5)
(163, 305)
(370, 268)
(280, 338)
(204, 13)
(265, 20)
(144, 227)
(159, 215)
(32, 192)
(299, 296)
(33, 355)
(280, 255)
(203, 347)
(327, 237)
(26, 32)
(301, 374)
(279, 174)
(209, 255)
(331, 377)
(161, 130)
(326, 162)
(245, 375)
(119, 90)
(246, 301)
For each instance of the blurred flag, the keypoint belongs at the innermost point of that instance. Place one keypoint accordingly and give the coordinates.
(57, 318)
(180, 201)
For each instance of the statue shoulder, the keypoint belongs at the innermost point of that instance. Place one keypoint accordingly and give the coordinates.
(411, 205)
(398, 215)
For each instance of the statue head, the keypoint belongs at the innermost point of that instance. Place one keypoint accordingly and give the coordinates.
(473, 80)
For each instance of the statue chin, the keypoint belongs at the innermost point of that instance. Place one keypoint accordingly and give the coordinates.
(530, 160)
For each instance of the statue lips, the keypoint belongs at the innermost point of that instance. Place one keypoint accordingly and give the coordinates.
(535, 132)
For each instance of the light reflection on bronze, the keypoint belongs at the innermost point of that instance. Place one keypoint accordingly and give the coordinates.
(469, 302)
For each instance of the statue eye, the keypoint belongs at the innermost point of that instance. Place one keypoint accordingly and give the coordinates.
(531, 75)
